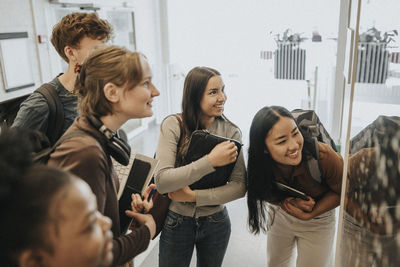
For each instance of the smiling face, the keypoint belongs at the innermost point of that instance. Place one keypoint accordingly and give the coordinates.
(284, 142)
(213, 100)
(137, 102)
(79, 234)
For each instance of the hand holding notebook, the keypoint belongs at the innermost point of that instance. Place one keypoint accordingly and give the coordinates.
(201, 144)
(223, 154)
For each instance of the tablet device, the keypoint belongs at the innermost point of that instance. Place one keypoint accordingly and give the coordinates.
(136, 182)
(201, 144)
(291, 191)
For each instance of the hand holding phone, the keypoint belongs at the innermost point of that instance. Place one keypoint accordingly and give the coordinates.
(290, 191)
(304, 205)
(143, 202)
(150, 196)
(146, 205)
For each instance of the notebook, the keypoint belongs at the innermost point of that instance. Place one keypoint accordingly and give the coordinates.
(201, 143)
(134, 178)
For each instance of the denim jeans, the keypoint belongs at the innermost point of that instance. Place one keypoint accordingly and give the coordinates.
(210, 234)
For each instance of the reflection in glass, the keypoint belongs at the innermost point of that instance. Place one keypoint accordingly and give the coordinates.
(371, 235)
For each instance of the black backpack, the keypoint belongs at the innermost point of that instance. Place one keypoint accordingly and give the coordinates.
(308, 121)
(9, 110)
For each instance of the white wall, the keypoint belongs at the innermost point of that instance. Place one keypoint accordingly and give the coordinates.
(37, 17)
(16, 16)
(148, 41)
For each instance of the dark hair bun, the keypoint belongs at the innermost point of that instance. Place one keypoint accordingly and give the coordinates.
(15, 159)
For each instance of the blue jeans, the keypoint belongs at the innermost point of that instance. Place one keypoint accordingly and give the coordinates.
(210, 234)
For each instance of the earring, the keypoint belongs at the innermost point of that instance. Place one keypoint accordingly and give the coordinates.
(77, 68)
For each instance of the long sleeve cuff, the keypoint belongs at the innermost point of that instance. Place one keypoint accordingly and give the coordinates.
(126, 247)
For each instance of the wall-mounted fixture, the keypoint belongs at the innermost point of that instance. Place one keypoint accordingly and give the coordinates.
(82, 4)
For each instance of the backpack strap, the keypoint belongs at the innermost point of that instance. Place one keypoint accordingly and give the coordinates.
(178, 160)
(56, 112)
(314, 166)
(44, 155)
(178, 117)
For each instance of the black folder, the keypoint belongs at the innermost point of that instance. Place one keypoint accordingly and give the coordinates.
(140, 174)
(201, 143)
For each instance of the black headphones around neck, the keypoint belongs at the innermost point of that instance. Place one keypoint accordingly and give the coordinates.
(117, 145)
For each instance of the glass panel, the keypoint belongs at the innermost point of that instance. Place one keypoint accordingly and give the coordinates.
(371, 217)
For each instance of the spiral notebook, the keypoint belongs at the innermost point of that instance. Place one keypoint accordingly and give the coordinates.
(134, 179)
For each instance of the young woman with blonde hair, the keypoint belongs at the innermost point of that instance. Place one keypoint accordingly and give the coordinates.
(113, 86)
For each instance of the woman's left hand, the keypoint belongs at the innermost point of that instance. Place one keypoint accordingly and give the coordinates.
(184, 194)
(296, 212)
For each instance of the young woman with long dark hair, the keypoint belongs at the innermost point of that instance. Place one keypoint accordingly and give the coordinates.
(197, 218)
(278, 152)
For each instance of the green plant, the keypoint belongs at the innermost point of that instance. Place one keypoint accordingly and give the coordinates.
(376, 36)
(289, 37)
